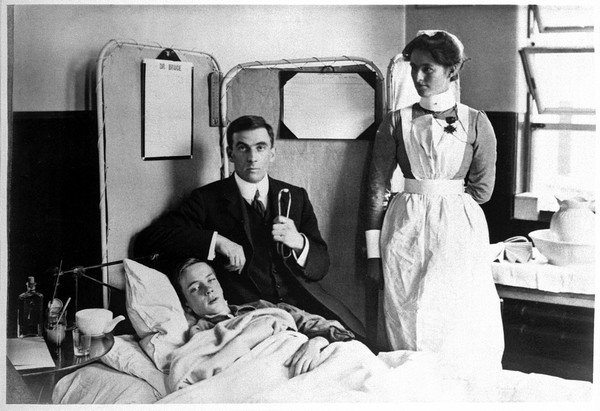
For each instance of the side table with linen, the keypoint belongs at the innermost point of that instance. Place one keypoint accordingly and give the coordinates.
(548, 316)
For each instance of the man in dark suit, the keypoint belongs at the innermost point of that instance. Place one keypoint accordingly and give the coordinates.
(257, 253)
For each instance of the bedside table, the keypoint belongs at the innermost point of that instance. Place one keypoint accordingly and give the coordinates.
(41, 381)
(548, 317)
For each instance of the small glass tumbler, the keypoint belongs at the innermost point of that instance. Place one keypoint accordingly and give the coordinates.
(81, 343)
(55, 327)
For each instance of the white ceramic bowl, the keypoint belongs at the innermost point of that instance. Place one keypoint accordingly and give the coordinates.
(561, 252)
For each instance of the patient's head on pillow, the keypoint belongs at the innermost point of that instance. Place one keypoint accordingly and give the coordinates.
(200, 288)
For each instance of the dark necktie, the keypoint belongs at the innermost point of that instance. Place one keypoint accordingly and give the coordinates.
(258, 205)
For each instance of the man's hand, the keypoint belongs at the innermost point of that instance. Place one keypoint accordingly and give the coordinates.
(285, 231)
(307, 357)
(232, 251)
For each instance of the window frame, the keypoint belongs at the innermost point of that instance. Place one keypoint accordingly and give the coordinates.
(526, 53)
(529, 205)
(537, 18)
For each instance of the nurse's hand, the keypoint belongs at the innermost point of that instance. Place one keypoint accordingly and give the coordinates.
(232, 251)
(374, 271)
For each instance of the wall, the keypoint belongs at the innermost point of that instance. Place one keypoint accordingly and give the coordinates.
(491, 34)
(53, 212)
(55, 45)
(55, 61)
(56, 49)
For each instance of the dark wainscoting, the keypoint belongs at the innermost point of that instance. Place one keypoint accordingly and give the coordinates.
(53, 205)
(499, 210)
(548, 339)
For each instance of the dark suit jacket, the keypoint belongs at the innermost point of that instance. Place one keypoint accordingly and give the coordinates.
(187, 232)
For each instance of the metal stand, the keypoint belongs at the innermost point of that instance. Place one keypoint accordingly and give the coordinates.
(80, 271)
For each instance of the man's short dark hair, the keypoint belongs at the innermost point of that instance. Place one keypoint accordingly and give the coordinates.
(244, 123)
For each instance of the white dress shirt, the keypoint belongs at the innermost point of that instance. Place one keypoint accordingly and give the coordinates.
(248, 190)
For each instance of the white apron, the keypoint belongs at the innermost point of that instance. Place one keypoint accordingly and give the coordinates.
(439, 292)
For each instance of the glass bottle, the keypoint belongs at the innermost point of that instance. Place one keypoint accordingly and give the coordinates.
(30, 312)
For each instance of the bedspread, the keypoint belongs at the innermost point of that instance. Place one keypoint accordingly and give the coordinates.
(211, 351)
(242, 360)
(260, 376)
(349, 372)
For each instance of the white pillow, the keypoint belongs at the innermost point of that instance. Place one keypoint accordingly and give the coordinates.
(127, 356)
(154, 311)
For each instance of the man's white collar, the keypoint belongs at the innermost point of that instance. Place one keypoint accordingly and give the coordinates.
(249, 189)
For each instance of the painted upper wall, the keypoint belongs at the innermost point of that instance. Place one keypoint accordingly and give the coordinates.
(56, 46)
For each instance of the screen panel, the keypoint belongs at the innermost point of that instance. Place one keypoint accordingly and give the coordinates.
(134, 191)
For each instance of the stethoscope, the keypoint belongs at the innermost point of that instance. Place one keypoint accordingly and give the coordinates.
(283, 250)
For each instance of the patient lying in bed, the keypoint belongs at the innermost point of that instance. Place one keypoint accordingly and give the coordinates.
(261, 352)
(203, 296)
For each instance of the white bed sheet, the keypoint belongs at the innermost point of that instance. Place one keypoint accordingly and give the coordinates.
(352, 375)
(100, 384)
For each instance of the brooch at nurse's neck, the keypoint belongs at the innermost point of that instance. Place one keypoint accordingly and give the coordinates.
(450, 127)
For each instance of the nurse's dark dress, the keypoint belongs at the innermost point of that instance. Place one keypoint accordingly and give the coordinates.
(439, 293)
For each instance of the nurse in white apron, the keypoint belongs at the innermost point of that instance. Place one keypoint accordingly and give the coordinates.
(430, 242)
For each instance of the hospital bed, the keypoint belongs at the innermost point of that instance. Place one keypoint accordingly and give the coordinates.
(137, 184)
(228, 365)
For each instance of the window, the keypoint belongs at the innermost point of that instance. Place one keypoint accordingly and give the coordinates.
(559, 133)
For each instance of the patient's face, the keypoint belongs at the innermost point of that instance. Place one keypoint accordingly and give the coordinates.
(202, 290)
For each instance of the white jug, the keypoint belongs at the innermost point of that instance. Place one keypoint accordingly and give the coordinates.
(574, 222)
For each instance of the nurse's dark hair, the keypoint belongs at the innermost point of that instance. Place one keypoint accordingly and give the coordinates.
(442, 47)
(250, 122)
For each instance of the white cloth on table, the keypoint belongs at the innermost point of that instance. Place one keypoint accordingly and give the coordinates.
(538, 274)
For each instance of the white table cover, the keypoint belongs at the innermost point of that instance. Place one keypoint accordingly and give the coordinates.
(538, 274)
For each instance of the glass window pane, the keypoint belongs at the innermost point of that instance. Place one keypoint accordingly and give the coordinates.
(564, 18)
(569, 118)
(575, 69)
(563, 162)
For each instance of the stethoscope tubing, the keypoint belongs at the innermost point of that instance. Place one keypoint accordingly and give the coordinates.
(282, 249)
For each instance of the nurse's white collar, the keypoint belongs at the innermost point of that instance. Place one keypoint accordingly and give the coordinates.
(439, 102)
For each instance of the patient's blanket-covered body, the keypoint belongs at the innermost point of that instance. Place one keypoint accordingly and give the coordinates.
(211, 351)
(241, 360)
